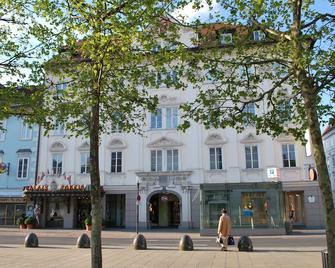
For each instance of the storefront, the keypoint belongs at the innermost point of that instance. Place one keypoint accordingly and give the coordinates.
(11, 208)
(251, 206)
(62, 207)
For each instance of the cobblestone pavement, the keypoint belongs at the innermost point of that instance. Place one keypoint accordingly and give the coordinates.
(157, 256)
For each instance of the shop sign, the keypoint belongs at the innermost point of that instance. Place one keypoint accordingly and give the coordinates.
(273, 173)
(3, 168)
(247, 213)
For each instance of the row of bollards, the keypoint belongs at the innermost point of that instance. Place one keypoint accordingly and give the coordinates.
(140, 243)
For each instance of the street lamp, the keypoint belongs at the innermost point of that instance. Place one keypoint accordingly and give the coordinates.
(138, 198)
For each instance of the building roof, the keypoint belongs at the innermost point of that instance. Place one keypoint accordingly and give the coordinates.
(328, 129)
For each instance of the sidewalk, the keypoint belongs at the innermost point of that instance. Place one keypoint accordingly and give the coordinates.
(156, 256)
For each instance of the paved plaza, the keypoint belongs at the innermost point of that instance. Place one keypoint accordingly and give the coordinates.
(57, 249)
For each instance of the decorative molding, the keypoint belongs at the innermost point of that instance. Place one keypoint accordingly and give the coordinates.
(85, 146)
(166, 100)
(215, 139)
(164, 142)
(251, 138)
(57, 146)
(117, 144)
(285, 138)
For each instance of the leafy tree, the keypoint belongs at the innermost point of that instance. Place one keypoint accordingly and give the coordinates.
(285, 71)
(109, 58)
(25, 40)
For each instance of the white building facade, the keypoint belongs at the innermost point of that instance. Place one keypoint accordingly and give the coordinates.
(329, 147)
(185, 179)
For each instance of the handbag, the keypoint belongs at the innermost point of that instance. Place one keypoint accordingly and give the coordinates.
(231, 240)
(219, 240)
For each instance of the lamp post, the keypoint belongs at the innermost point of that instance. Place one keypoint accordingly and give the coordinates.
(138, 198)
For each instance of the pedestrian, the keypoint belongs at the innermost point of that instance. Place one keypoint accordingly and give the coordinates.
(224, 229)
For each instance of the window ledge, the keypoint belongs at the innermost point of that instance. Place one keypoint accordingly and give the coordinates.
(216, 170)
(290, 168)
(252, 169)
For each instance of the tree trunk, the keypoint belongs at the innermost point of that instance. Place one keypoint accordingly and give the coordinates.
(96, 254)
(310, 95)
(321, 165)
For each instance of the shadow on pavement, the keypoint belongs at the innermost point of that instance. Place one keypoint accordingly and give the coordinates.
(284, 250)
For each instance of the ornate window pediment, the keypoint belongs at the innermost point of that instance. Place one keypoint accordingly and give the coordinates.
(164, 142)
(166, 100)
(58, 146)
(251, 138)
(285, 138)
(85, 146)
(117, 144)
(215, 139)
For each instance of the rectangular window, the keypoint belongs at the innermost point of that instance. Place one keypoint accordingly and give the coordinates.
(171, 160)
(2, 131)
(156, 160)
(172, 117)
(85, 163)
(215, 158)
(251, 157)
(156, 119)
(22, 169)
(258, 35)
(57, 164)
(59, 130)
(116, 166)
(61, 86)
(288, 152)
(26, 131)
(226, 38)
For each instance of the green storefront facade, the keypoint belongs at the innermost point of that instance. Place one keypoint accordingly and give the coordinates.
(253, 207)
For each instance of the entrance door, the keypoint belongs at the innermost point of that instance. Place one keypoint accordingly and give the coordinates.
(83, 211)
(164, 211)
(115, 210)
(295, 207)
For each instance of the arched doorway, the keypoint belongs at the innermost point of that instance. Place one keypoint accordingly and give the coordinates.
(164, 210)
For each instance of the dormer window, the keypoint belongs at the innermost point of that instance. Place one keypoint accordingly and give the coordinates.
(226, 38)
(258, 35)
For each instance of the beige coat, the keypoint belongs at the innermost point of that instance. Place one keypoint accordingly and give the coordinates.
(224, 227)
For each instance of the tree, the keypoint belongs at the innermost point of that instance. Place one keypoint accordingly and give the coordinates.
(293, 53)
(25, 41)
(109, 58)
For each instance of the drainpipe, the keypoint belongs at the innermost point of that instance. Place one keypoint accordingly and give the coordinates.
(37, 152)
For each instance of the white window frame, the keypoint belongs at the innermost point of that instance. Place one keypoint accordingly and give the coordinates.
(158, 162)
(216, 162)
(174, 165)
(226, 38)
(251, 148)
(169, 118)
(116, 152)
(59, 159)
(59, 130)
(22, 177)
(165, 166)
(85, 164)
(26, 132)
(287, 145)
(2, 132)
(154, 119)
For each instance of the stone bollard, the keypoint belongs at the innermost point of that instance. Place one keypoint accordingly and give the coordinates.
(186, 243)
(245, 244)
(31, 241)
(140, 242)
(83, 241)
